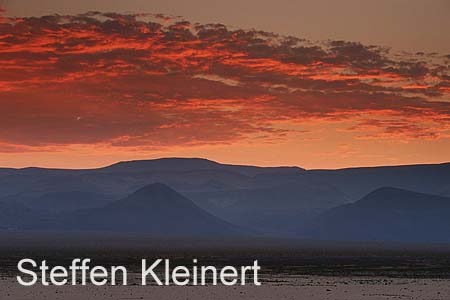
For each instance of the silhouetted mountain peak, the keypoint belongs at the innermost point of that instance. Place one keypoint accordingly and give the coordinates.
(170, 163)
(390, 197)
(155, 196)
(387, 214)
(176, 164)
(153, 189)
(386, 191)
(154, 208)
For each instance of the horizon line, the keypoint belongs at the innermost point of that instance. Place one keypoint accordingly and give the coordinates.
(222, 163)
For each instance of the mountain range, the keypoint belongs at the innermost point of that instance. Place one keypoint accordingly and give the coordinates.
(282, 201)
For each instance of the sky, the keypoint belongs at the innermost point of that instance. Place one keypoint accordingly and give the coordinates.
(409, 25)
(313, 84)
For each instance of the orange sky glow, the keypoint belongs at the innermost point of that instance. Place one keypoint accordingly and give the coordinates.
(87, 90)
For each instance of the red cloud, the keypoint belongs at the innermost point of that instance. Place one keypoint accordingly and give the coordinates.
(132, 81)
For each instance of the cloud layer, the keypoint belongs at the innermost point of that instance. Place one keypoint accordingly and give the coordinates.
(145, 82)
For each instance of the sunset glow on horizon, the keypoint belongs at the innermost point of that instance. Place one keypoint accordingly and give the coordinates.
(88, 90)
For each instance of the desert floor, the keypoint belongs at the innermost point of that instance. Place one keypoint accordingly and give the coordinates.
(307, 287)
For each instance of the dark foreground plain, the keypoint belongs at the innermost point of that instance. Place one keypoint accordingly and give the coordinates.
(277, 256)
(291, 269)
(301, 287)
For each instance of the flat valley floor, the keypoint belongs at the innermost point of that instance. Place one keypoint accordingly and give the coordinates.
(291, 269)
(308, 288)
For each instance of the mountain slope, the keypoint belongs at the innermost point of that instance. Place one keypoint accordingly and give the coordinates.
(67, 201)
(386, 214)
(155, 209)
(357, 182)
(275, 209)
(16, 216)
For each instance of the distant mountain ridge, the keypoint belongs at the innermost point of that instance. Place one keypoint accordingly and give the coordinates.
(396, 198)
(386, 214)
(191, 164)
(274, 200)
(357, 182)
